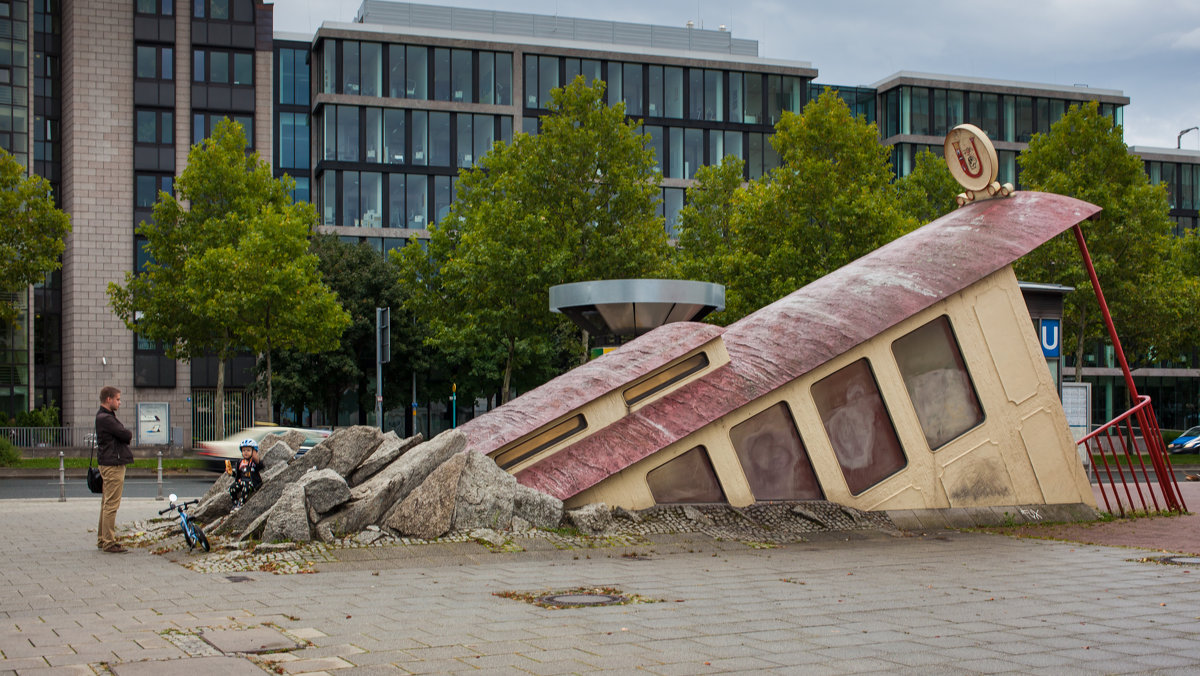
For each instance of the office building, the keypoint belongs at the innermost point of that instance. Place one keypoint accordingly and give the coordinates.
(374, 119)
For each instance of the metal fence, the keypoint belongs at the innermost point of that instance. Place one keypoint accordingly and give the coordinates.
(1121, 448)
(47, 437)
(239, 413)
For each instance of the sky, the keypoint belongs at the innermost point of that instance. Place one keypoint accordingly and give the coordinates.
(1147, 49)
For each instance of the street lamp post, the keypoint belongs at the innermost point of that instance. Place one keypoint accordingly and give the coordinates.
(1179, 138)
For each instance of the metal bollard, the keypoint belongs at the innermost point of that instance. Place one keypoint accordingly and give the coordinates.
(62, 479)
(160, 497)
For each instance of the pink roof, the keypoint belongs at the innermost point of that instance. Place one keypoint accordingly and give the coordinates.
(789, 337)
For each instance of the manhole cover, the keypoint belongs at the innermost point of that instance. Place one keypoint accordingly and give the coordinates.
(584, 599)
(1182, 560)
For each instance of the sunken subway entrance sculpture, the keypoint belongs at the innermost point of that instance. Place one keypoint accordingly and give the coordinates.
(908, 379)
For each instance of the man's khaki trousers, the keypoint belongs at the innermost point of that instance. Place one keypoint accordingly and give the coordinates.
(114, 485)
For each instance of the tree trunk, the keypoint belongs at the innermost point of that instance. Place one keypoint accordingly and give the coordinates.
(512, 347)
(270, 394)
(220, 399)
(584, 360)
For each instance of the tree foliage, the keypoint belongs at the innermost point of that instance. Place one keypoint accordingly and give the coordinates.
(31, 239)
(575, 202)
(228, 269)
(1151, 298)
(363, 280)
(928, 192)
(706, 224)
(830, 201)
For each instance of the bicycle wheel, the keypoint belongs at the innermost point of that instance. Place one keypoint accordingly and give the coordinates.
(187, 535)
(201, 537)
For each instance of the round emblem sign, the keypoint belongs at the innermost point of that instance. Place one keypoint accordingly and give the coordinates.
(971, 157)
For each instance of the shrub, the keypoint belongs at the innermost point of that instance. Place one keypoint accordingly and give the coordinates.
(9, 455)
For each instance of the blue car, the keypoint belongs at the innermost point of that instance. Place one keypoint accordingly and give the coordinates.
(1188, 442)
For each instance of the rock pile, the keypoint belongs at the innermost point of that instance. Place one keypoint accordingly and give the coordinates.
(359, 477)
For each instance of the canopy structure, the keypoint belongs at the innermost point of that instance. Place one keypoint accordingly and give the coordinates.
(632, 307)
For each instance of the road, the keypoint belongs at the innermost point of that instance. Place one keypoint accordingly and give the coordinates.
(185, 486)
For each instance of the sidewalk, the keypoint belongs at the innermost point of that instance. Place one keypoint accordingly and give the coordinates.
(942, 602)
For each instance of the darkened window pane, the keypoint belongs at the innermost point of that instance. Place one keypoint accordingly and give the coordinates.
(654, 107)
(920, 111)
(714, 95)
(673, 92)
(396, 213)
(754, 94)
(441, 74)
(351, 215)
(633, 88)
(484, 135)
(858, 426)
(374, 135)
(487, 77)
(396, 71)
(393, 136)
(504, 79)
(372, 69)
(463, 130)
(937, 382)
(417, 207)
(218, 67)
(347, 133)
(686, 478)
(547, 79)
(420, 137)
(439, 139)
(695, 94)
(351, 78)
(243, 69)
(147, 60)
(147, 121)
(461, 75)
(735, 97)
(693, 151)
(417, 64)
(774, 458)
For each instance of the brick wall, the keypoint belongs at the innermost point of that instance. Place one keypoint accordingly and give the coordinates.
(97, 154)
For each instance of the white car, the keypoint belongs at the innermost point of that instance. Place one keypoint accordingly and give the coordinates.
(229, 448)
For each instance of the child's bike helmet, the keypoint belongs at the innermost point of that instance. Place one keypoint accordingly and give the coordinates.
(248, 442)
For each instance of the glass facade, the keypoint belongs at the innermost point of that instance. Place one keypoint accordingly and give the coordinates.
(1182, 181)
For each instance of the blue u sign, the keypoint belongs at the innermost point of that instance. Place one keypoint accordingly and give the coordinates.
(1051, 338)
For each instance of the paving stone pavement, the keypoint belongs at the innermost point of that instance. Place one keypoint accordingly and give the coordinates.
(938, 603)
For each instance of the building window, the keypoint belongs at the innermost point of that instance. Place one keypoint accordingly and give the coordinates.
(937, 381)
(154, 62)
(417, 68)
(151, 366)
(223, 67)
(147, 186)
(858, 426)
(688, 477)
(773, 457)
(156, 7)
(293, 140)
(204, 123)
(155, 127)
(240, 11)
(495, 78)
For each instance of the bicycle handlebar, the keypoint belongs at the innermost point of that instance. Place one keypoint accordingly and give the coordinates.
(179, 505)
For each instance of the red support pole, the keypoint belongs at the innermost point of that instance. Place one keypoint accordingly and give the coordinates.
(1166, 480)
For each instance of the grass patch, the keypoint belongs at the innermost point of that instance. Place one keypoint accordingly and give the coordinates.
(174, 464)
(1122, 460)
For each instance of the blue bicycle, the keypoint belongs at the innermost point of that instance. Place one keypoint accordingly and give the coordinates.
(192, 532)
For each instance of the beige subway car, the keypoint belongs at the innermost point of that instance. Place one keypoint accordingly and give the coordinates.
(909, 379)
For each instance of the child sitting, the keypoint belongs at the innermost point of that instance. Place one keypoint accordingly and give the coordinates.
(246, 476)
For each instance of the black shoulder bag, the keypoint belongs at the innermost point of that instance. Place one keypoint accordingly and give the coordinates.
(95, 482)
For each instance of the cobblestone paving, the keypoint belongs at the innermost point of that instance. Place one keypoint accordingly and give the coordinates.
(861, 601)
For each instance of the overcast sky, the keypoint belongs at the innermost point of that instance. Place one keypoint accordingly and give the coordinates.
(1148, 49)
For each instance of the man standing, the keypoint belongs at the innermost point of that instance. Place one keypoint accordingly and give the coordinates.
(113, 441)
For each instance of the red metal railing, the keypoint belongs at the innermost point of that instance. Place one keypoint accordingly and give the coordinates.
(1126, 438)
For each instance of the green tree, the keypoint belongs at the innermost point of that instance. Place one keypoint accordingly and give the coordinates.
(1151, 297)
(928, 192)
(229, 218)
(706, 223)
(31, 239)
(363, 280)
(575, 202)
(830, 202)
